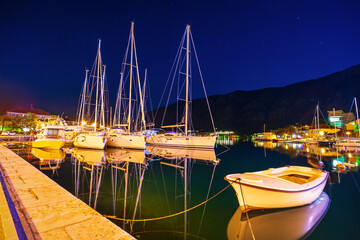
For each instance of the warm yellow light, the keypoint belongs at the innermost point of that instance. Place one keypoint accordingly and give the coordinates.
(348, 133)
(83, 123)
(307, 150)
(350, 155)
(306, 134)
(322, 150)
(286, 147)
(94, 125)
(321, 133)
(42, 125)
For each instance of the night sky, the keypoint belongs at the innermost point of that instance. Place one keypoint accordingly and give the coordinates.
(45, 46)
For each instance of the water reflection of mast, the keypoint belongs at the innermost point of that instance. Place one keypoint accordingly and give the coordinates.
(92, 161)
(181, 157)
(120, 160)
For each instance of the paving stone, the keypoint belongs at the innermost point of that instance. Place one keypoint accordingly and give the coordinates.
(51, 211)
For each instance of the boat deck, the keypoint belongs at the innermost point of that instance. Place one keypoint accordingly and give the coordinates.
(43, 209)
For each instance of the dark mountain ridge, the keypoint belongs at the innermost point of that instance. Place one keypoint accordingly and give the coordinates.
(247, 111)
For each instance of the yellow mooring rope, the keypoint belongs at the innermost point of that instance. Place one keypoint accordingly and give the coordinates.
(168, 216)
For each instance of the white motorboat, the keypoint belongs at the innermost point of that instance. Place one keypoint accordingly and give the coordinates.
(283, 187)
(292, 223)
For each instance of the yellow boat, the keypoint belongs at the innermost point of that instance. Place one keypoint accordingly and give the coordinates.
(50, 137)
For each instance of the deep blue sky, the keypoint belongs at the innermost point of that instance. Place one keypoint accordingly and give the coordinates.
(242, 45)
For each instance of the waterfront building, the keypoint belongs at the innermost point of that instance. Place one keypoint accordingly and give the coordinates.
(339, 118)
(21, 112)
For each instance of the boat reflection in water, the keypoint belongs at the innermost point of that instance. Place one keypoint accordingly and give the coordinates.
(127, 168)
(175, 153)
(49, 159)
(88, 161)
(293, 223)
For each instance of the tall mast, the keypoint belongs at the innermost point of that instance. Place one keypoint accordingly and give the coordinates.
(83, 98)
(357, 114)
(318, 121)
(139, 84)
(131, 65)
(97, 84)
(103, 98)
(187, 80)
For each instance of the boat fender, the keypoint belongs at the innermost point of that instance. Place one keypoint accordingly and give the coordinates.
(341, 167)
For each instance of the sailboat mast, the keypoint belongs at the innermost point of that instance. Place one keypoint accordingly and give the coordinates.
(318, 121)
(140, 92)
(187, 80)
(83, 98)
(357, 113)
(131, 66)
(103, 98)
(97, 84)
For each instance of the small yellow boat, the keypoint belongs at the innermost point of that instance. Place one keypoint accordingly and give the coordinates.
(50, 137)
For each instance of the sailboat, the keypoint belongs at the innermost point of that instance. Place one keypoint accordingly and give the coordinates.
(182, 138)
(124, 136)
(89, 136)
(312, 140)
(350, 142)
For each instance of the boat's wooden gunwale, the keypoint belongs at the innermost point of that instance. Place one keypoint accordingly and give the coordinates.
(276, 189)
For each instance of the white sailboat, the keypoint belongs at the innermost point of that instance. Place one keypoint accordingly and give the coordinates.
(182, 138)
(313, 141)
(125, 136)
(350, 142)
(90, 137)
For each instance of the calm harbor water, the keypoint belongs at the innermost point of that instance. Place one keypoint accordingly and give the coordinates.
(129, 184)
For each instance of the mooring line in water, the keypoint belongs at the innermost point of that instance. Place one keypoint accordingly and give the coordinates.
(226, 150)
(168, 216)
(246, 212)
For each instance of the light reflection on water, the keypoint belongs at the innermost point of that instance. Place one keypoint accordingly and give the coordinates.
(134, 184)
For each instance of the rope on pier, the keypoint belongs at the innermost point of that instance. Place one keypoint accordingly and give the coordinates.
(168, 216)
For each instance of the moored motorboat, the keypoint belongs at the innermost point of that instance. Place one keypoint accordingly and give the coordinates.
(283, 187)
(50, 137)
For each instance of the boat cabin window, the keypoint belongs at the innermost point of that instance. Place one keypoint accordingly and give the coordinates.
(52, 132)
(296, 178)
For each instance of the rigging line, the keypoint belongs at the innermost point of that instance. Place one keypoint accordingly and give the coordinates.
(226, 150)
(177, 59)
(168, 216)
(207, 196)
(173, 80)
(246, 212)
(167, 81)
(202, 81)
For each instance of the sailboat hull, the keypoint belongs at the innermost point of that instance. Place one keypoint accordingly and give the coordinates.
(182, 141)
(126, 141)
(92, 141)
